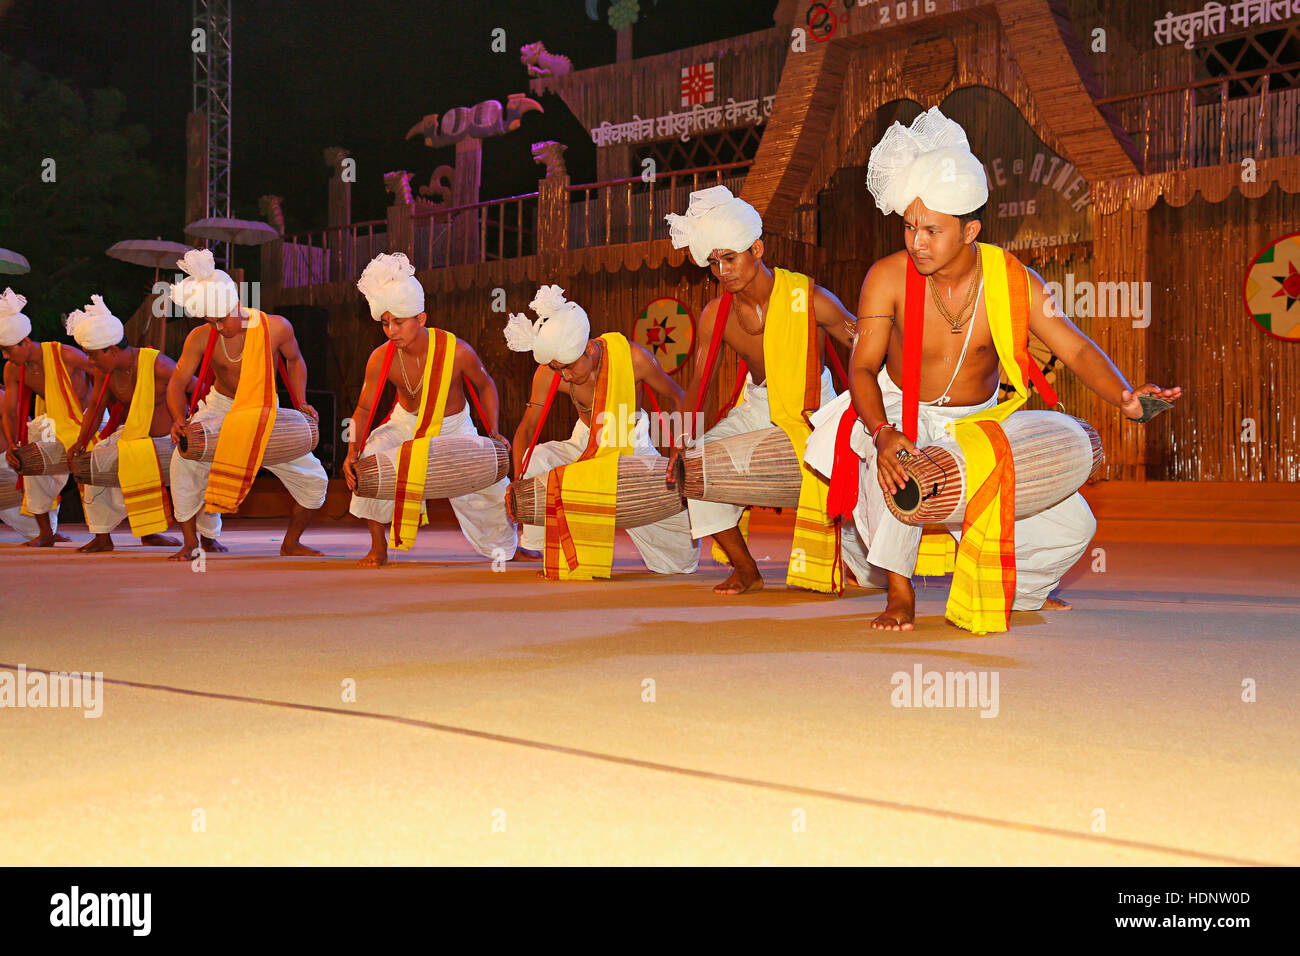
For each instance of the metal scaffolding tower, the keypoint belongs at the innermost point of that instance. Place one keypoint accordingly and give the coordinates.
(212, 95)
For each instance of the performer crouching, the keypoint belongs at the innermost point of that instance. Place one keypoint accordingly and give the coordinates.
(600, 376)
(241, 344)
(973, 305)
(429, 369)
(138, 379)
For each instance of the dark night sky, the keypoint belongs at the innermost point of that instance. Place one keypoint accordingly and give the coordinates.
(309, 74)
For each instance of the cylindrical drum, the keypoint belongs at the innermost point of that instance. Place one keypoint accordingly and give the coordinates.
(643, 494)
(42, 458)
(293, 436)
(458, 465)
(10, 497)
(98, 467)
(756, 468)
(1054, 454)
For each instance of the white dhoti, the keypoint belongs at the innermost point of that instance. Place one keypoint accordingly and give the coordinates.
(666, 546)
(304, 478)
(481, 514)
(101, 511)
(1047, 544)
(754, 414)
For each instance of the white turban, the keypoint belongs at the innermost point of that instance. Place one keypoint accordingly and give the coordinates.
(95, 327)
(715, 219)
(207, 292)
(389, 285)
(559, 335)
(930, 160)
(14, 326)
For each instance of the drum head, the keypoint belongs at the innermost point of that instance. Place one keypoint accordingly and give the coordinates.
(909, 499)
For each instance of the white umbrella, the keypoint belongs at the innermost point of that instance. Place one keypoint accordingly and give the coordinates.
(241, 232)
(12, 264)
(150, 252)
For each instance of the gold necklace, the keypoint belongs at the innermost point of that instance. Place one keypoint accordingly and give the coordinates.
(595, 369)
(225, 351)
(956, 321)
(401, 363)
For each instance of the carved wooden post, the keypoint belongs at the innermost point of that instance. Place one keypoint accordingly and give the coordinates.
(401, 232)
(553, 214)
(272, 273)
(464, 191)
(337, 242)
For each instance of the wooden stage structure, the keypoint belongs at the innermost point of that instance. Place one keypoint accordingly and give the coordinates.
(1113, 158)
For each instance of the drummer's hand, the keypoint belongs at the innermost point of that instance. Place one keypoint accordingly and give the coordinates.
(672, 467)
(1132, 408)
(310, 413)
(349, 471)
(76, 450)
(11, 457)
(889, 470)
(178, 430)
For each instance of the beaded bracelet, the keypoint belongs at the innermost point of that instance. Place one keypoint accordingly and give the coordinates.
(876, 433)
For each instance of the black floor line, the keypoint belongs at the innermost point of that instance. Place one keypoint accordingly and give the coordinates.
(953, 815)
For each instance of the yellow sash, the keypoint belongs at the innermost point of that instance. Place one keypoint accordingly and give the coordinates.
(241, 443)
(581, 498)
(138, 470)
(793, 390)
(60, 403)
(413, 459)
(979, 599)
(60, 399)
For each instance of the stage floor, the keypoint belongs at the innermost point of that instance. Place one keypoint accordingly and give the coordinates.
(499, 718)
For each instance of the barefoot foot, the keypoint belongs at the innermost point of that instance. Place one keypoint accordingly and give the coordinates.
(1056, 604)
(213, 546)
(375, 558)
(740, 582)
(97, 544)
(188, 552)
(900, 609)
(45, 540)
(298, 549)
(158, 541)
(527, 554)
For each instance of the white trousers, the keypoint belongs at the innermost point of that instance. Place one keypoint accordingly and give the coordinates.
(1047, 544)
(25, 525)
(482, 514)
(666, 546)
(304, 477)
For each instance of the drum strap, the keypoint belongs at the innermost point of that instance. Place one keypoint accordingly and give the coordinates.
(22, 417)
(715, 346)
(203, 383)
(386, 364)
(913, 329)
(546, 407)
(836, 365)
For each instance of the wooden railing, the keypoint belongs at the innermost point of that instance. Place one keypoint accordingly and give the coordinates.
(336, 254)
(633, 209)
(1179, 127)
(474, 233)
(557, 217)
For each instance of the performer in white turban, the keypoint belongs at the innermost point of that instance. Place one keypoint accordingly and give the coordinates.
(429, 368)
(973, 304)
(51, 383)
(143, 413)
(600, 377)
(774, 320)
(237, 401)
